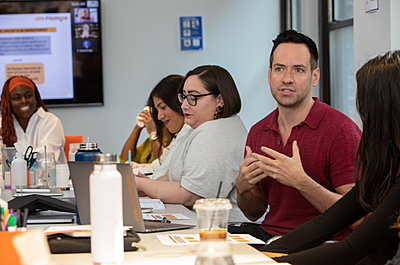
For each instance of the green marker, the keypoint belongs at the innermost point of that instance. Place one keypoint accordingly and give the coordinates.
(12, 223)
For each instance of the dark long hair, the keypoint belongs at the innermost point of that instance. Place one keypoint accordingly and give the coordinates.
(218, 80)
(167, 90)
(7, 131)
(378, 103)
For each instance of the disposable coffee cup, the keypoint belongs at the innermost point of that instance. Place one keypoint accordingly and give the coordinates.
(139, 120)
(212, 216)
(62, 175)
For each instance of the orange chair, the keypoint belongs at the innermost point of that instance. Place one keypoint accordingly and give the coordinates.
(71, 139)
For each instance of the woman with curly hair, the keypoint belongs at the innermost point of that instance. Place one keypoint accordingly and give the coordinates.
(25, 117)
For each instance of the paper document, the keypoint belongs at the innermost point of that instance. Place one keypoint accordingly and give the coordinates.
(31, 189)
(169, 216)
(50, 217)
(74, 230)
(182, 239)
(155, 204)
(37, 191)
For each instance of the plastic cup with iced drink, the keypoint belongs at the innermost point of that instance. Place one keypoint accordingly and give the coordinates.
(212, 215)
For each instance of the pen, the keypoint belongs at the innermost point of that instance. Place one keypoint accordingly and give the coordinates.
(25, 218)
(164, 220)
(146, 174)
(5, 218)
(147, 210)
(19, 220)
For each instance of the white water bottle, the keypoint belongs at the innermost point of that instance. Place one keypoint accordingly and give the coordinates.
(107, 239)
(18, 171)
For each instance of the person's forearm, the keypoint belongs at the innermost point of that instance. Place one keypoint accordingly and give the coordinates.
(317, 195)
(322, 199)
(252, 207)
(155, 147)
(131, 143)
(166, 191)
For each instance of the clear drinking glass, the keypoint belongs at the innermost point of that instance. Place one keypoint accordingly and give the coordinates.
(214, 253)
(46, 170)
(8, 154)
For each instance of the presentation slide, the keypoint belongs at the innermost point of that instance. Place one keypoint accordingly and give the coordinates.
(38, 46)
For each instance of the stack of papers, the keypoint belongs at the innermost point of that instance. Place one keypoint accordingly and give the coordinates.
(74, 230)
(25, 191)
(185, 239)
(155, 204)
(50, 217)
(169, 216)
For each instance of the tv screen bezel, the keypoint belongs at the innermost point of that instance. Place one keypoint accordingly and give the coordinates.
(88, 87)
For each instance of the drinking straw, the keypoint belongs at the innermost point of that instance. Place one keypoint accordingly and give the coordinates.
(129, 156)
(219, 189)
(45, 166)
(212, 217)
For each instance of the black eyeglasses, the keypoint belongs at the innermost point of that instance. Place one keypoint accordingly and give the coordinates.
(191, 99)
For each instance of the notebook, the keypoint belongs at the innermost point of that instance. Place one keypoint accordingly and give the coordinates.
(23, 190)
(132, 213)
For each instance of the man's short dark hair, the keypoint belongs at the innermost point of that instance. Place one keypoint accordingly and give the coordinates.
(292, 36)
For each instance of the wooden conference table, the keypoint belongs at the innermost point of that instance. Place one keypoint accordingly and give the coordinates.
(156, 252)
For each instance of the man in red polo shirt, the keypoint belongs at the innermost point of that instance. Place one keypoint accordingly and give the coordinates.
(299, 159)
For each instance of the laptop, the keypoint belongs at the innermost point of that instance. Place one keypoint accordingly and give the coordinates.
(132, 213)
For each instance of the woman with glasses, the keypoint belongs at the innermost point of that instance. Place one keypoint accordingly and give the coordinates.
(213, 150)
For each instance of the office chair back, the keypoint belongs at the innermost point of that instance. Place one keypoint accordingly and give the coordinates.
(70, 139)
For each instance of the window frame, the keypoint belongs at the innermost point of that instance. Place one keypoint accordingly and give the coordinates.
(324, 29)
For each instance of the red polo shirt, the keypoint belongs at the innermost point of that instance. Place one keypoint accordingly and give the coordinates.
(328, 142)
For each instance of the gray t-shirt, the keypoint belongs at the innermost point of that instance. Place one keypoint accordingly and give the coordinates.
(212, 153)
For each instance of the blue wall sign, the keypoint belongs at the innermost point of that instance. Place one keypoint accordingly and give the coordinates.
(191, 33)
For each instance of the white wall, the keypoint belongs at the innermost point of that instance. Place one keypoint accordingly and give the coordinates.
(375, 33)
(140, 47)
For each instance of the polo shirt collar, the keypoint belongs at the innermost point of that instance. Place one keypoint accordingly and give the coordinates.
(312, 120)
(315, 115)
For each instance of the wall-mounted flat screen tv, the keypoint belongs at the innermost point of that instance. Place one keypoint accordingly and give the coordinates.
(58, 45)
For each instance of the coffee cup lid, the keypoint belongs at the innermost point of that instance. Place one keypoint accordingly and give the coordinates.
(213, 203)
